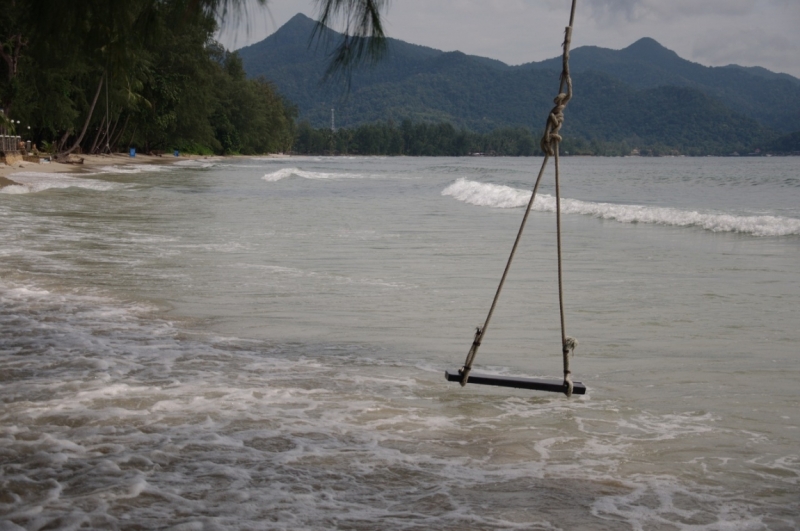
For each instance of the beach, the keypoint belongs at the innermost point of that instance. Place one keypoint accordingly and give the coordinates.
(90, 162)
(93, 163)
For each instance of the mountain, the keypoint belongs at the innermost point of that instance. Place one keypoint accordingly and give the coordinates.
(643, 95)
(770, 98)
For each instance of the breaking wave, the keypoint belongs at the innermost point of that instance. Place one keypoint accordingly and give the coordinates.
(131, 169)
(500, 196)
(112, 416)
(283, 173)
(32, 182)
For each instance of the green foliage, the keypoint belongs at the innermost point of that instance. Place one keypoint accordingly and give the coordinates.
(786, 144)
(442, 139)
(162, 82)
(420, 139)
(771, 99)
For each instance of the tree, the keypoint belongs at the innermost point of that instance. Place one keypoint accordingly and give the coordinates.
(97, 73)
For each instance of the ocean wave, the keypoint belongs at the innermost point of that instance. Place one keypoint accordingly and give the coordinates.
(500, 196)
(207, 162)
(110, 410)
(32, 182)
(283, 173)
(133, 168)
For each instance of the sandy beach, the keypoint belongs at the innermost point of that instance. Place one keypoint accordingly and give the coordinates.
(92, 162)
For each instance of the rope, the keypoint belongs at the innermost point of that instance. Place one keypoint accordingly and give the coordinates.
(481, 331)
(549, 144)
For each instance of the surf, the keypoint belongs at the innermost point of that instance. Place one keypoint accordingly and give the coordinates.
(285, 173)
(502, 196)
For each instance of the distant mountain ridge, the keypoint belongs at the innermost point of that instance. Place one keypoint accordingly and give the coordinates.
(643, 95)
(754, 91)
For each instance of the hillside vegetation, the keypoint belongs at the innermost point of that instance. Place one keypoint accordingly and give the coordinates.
(93, 76)
(644, 97)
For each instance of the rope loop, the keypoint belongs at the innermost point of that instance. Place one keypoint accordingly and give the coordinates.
(568, 348)
(478, 333)
(555, 120)
(569, 344)
(476, 343)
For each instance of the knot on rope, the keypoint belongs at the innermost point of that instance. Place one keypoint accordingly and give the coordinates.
(464, 372)
(554, 122)
(555, 119)
(568, 347)
(478, 332)
(476, 343)
(568, 387)
(569, 344)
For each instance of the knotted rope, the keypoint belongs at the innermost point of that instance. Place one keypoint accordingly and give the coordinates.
(555, 119)
(549, 144)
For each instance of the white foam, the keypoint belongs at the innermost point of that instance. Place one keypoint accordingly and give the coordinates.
(491, 195)
(199, 163)
(133, 168)
(500, 196)
(283, 173)
(32, 182)
(116, 409)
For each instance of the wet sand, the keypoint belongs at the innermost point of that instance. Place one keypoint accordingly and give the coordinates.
(89, 162)
(92, 161)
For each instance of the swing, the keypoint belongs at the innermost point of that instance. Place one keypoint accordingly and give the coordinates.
(550, 147)
(534, 384)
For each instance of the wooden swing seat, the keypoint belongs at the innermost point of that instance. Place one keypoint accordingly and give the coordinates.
(536, 384)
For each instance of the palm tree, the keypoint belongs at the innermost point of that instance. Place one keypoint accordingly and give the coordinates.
(106, 41)
(362, 36)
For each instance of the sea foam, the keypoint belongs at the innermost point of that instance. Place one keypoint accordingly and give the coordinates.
(283, 173)
(112, 414)
(500, 196)
(133, 168)
(32, 182)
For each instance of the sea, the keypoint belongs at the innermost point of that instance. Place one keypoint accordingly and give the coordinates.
(260, 344)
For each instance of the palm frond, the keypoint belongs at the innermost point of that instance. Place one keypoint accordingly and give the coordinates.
(363, 37)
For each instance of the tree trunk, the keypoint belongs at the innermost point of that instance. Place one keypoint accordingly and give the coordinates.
(88, 118)
(110, 133)
(133, 135)
(63, 141)
(119, 135)
(97, 137)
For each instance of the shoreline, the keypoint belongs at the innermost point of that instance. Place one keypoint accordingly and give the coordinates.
(93, 161)
(123, 159)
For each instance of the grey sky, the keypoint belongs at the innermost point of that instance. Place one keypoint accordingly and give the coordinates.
(711, 32)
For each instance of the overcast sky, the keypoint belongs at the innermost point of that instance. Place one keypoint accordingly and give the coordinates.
(711, 32)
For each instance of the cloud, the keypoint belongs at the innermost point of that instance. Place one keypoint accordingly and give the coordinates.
(712, 32)
(639, 10)
(745, 46)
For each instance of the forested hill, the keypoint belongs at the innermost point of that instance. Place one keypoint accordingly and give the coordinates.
(642, 96)
(772, 99)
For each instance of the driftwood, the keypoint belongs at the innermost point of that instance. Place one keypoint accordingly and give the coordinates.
(68, 159)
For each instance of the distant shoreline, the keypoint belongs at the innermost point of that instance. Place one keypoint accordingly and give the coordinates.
(119, 159)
